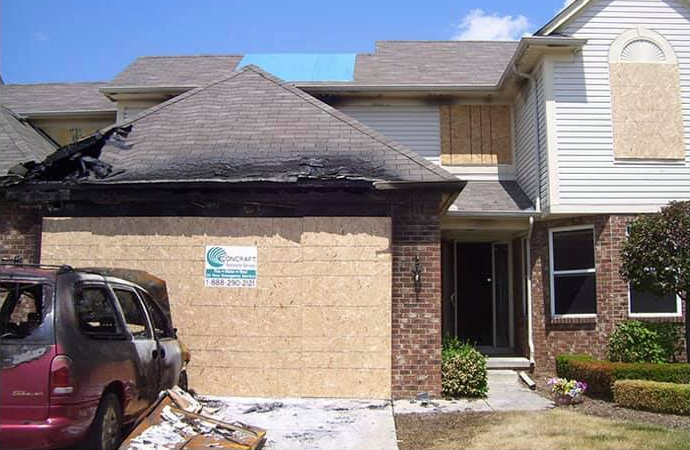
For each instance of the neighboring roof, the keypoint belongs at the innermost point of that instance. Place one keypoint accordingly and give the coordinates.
(248, 127)
(304, 66)
(175, 71)
(504, 197)
(28, 99)
(451, 63)
(464, 63)
(20, 141)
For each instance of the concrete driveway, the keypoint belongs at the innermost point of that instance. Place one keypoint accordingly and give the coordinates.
(318, 424)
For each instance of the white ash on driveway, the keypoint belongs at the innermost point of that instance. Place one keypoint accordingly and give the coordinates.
(318, 424)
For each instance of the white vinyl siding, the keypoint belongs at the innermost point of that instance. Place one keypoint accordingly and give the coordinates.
(543, 166)
(589, 175)
(415, 127)
(526, 159)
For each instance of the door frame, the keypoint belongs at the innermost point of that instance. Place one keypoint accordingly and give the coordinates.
(511, 313)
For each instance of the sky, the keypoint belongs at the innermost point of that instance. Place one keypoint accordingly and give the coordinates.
(92, 40)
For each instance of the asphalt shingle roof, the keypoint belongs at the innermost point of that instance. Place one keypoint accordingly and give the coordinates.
(19, 141)
(176, 70)
(252, 127)
(492, 196)
(435, 62)
(53, 97)
(453, 63)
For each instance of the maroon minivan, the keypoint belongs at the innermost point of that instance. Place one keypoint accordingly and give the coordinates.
(84, 351)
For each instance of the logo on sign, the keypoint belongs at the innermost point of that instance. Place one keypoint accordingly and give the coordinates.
(215, 257)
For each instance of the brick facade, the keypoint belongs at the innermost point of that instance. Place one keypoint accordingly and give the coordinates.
(20, 233)
(553, 336)
(416, 312)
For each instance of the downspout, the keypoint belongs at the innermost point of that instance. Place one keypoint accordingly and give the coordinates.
(537, 205)
(528, 293)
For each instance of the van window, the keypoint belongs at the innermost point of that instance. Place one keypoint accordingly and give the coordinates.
(161, 328)
(135, 319)
(95, 312)
(22, 313)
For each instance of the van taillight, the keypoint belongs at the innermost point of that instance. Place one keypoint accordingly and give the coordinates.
(61, 381)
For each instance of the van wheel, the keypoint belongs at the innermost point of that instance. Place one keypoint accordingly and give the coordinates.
(107, 425)
(183, 383)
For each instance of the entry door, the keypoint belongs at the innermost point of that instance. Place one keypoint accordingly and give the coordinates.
(482, 295)
(474, 312)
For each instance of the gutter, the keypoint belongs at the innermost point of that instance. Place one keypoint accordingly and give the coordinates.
(528, 293)
(62, 114)
(414, 185)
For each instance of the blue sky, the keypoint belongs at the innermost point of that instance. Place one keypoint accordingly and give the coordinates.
(90, 40)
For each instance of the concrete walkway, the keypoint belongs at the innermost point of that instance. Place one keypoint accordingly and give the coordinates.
(319, 424)
(506, 393)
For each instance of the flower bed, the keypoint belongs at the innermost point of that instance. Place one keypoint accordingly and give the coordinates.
(600, 375)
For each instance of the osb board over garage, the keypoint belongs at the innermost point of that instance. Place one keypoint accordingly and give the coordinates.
(318, 324)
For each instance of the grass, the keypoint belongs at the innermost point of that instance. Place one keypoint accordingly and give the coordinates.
(553, 429)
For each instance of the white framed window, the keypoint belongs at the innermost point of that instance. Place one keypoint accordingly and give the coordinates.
(647, 304)
(572, 272)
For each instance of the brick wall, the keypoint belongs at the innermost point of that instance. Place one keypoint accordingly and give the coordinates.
(20, 233)
(416, 313)
(555, 336)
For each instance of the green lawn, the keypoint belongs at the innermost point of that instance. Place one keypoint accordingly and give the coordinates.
(553, 429)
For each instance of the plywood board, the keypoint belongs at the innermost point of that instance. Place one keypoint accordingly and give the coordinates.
(317, 324)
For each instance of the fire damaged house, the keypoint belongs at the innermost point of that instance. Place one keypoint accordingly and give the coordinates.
(321, 221)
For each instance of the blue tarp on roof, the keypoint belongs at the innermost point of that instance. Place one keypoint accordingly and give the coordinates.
(304, 66)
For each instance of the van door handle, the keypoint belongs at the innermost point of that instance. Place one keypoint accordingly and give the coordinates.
(154, 354)
(162, 354)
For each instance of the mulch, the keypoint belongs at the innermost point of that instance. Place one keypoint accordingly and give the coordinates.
(603, 408)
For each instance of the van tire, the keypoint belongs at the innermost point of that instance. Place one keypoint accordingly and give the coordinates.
(106, 429)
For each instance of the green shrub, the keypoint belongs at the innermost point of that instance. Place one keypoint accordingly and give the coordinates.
(600, 375)
(635, 341)
(463, 370)
(653, 396)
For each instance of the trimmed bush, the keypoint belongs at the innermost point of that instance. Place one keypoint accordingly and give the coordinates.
(600, 375)
(635, 341)
(463, 370)
(653, 396)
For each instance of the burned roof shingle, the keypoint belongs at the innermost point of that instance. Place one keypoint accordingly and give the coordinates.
(55, 97)
(251, 127)
(20, 141)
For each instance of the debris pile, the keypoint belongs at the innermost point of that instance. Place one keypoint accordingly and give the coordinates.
(178, 421)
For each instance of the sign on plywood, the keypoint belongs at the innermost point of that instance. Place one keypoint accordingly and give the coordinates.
(231, 267)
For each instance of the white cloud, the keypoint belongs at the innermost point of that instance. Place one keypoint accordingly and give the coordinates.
(567, 3)
(479, 26)
(39, 36)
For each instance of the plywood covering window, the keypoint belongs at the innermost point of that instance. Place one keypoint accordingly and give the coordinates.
(646, 106)
(476, 134)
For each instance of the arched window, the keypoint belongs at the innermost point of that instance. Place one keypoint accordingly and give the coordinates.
(646, 106)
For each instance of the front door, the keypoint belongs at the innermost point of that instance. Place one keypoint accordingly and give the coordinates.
(482, 295)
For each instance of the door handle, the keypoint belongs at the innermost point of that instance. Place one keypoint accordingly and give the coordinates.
(162, 353)
(453, 299)
(154, 354)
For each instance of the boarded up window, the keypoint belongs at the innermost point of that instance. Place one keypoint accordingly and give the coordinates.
(476, 134)
(646, 104)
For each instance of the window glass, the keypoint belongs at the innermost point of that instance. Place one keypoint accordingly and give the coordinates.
(132, 312)
(575, 294)
(22, 309)
(573, 277)
(95, 313)
(573, 250)
(648, 303)
(161, 329)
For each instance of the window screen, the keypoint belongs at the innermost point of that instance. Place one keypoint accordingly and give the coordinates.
(135, 318)
(573, 277)
(95, 313)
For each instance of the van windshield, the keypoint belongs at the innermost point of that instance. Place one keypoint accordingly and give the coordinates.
(25, 312)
